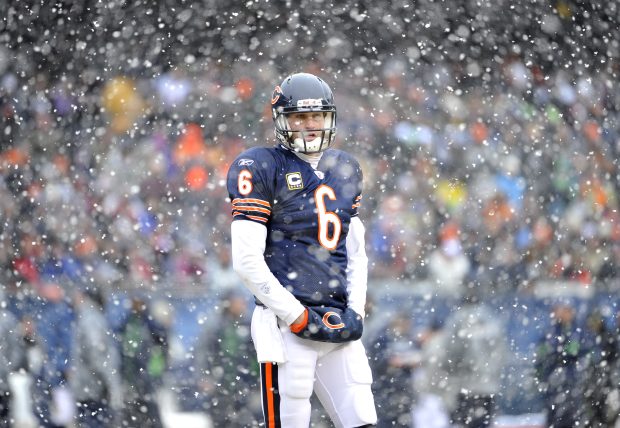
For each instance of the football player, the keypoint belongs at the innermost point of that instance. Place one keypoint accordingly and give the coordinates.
(298, 245)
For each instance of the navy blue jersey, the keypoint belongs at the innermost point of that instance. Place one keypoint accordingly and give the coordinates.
(307, 213)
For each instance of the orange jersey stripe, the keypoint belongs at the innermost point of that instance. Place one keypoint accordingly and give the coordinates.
(253, 217)
(251, 201)
(248, 208)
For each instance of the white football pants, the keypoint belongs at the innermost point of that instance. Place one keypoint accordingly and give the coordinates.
(339, 374)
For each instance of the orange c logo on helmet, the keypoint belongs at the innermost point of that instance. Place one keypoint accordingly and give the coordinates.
(276, 95)
(329, 324)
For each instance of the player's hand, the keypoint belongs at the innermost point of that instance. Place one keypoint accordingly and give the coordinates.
(327, 324)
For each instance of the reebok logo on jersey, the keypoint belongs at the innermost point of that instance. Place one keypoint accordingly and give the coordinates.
(294, 181)
(245, 162)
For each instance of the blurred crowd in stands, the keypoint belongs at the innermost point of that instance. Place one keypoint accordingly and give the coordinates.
(490, 155)
(512, 182)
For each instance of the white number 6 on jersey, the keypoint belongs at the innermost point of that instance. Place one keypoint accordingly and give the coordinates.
(244, 182)
(327, 217)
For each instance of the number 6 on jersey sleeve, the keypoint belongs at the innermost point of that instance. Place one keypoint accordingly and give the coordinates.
(244, 182)
(327, 217)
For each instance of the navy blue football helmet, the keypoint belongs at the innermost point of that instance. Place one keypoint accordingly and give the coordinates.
(298, 93)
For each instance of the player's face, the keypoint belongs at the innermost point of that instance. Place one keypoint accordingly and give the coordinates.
(311, 123)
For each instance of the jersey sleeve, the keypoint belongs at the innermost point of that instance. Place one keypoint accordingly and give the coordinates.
(356, 204)
(358, 177)
(357, 267)
(248, 248)
(249, 186)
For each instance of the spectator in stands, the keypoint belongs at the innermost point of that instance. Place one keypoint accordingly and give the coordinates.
(54, 405)
(95, 376)
(144, 343)
(474, 353)
(394, 357)
(430, 381)
(227, 365)
(448, 265)
(12, 354)
(22, 406)
(557, 366)
(598, 378)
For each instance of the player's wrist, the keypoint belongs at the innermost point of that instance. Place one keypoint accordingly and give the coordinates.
(300, 322)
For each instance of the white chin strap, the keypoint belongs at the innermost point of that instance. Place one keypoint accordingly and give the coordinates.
(311, 146)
